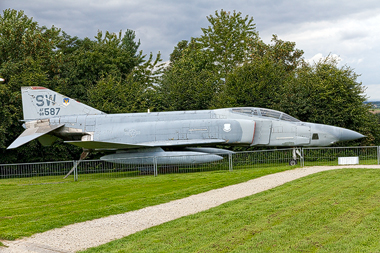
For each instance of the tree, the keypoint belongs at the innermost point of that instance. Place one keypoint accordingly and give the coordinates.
(228, 40)
(190, 82)
(258, 83)
(27, 57)
(260, 80)
(324, 93)
(279, 51)
(130, 93)
(36, 56)
(23, 41)
(92, 60)
(128, 43)
(178, 51)
(199, 68)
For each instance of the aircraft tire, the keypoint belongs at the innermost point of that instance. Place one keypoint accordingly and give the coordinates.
(293, 162)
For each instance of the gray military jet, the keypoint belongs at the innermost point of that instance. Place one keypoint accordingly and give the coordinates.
(49, 115)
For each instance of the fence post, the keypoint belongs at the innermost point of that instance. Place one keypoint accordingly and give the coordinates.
(76, 170)
(378, 155)
(155, 166)
(302, 158)
(230, 162)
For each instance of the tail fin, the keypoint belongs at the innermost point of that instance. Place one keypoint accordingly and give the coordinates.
(41, 103)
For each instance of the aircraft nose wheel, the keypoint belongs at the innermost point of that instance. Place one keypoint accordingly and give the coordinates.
(295, 153)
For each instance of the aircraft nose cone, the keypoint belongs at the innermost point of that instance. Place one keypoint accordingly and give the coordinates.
(348, 135)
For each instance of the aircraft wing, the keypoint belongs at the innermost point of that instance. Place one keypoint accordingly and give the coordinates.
(33, 133)
(110, 145)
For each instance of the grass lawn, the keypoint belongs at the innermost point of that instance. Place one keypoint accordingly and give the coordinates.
(29, 209)
(333, 211)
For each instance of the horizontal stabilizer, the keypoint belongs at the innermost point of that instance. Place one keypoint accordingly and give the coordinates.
(32, 133)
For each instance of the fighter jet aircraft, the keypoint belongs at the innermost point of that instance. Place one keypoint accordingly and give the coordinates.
(49, 115)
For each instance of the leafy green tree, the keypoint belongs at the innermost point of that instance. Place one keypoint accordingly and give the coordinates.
(131, 93)
(36, 56)
(8, 108)
(27, 57)
(260, 80)
(87, 61)
(228, 40)
(279, 51)
(128, 43)
(178, 51)
(23, 42)
(199, 68)
(326, 94)
(190, 82)
(257, 83)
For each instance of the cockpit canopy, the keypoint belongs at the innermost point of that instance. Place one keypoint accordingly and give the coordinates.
(261, 112)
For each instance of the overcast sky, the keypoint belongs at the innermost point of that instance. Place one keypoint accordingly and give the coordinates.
(346, 28)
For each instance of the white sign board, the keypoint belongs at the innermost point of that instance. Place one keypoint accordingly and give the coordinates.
(348, 160)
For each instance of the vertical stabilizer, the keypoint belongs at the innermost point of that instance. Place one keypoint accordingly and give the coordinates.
(41, 103)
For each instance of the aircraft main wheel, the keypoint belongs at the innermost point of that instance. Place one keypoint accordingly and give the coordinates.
(293, 162)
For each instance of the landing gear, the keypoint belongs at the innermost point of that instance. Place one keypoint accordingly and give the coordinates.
(296, 152)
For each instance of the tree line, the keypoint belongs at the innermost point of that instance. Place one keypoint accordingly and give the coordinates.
(229, 65)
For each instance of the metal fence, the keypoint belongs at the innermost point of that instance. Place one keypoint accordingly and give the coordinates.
(66, 171)
(333, 155)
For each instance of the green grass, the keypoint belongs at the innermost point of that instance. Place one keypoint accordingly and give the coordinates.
(333, 211)
(28, 209)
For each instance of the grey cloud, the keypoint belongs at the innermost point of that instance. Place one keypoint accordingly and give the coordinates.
(351, 35)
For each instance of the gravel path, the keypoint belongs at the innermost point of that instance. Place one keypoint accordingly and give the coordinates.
(93, 233)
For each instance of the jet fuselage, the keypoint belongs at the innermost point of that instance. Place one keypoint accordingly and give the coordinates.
(49, 115)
